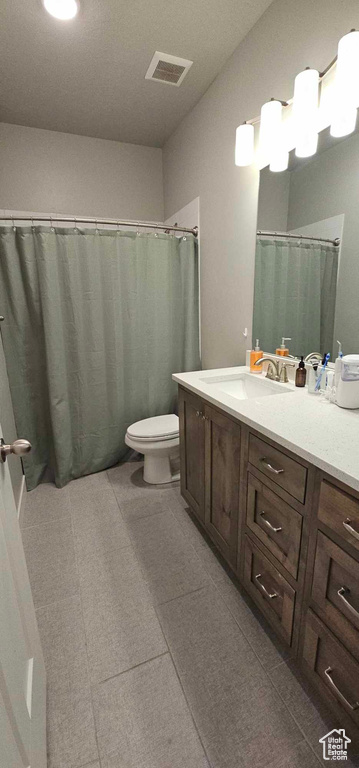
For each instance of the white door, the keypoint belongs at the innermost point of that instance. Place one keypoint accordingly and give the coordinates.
(22, 670)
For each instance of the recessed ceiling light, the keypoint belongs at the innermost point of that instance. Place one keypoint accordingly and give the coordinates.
(62, 9)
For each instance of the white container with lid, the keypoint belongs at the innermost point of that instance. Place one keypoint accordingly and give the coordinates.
(347, 392)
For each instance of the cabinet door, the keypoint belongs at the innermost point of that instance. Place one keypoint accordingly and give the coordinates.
(222, 467)
(191, 417)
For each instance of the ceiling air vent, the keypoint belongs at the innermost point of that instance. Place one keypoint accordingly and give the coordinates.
(168, 69)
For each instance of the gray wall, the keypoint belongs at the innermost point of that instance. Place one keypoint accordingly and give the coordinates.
(199, 157)
(52, 172)
(327, 186)
(273, 200)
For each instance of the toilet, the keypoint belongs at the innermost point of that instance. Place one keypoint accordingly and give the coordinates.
(157, 439)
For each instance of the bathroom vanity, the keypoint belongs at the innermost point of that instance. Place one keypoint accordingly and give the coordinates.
(272, 474)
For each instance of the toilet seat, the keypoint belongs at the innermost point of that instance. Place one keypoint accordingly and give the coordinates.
(155, 429)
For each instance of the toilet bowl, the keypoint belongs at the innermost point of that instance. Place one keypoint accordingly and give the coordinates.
(157, 439)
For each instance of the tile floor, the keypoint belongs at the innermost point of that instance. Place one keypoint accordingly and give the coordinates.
(154, 658)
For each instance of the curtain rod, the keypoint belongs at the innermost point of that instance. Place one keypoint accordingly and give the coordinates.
(299, 237)
(91, 220)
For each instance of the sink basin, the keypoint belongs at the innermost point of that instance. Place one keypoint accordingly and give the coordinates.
(245, 386)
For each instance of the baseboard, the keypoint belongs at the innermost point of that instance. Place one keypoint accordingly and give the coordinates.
(22, 500)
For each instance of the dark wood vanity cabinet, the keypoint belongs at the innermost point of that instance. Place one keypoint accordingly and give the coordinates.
(210, 470)
(290, 534)
(191, 419)
(222, 481)
(329, 648)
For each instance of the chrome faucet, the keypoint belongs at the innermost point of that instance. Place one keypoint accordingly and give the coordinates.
(313, 355)
(277, 369)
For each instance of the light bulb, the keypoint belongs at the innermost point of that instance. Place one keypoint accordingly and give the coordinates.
(62, 9)
(244, 153)
(346, 86)
(279, 161)
(305, 112)
(272, 148)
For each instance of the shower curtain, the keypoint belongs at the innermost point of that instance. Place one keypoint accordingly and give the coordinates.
(294, 294)
(96, 321)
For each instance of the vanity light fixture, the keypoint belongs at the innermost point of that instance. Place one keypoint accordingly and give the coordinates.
(62, 9)
(305, 112)
(307, 115)
(272, 147)
(244, 152)
(346, 86)
(268, 130)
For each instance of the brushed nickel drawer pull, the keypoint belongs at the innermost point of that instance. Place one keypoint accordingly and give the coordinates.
(328, 674)
(348, 527)
(272, 527)
(271, 595)
(269, 466)
(346, 591)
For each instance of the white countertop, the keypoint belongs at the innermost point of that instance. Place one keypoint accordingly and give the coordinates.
(308, 425)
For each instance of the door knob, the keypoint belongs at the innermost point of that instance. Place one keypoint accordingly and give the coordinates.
(18, 448)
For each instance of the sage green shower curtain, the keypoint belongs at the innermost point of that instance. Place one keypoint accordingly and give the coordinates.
(294, 294)
(96, 321)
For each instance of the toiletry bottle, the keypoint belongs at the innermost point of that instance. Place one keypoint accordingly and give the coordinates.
(300, 374)
(312, 379)
(283, 351)
(256, 354)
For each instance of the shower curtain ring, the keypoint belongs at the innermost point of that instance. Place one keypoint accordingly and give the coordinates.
(52, 225)
(13, 224)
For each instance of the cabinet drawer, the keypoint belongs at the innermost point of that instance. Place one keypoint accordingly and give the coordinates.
(340, 512)
(269, 590)
(283, 470)
(332, 668)
(335, 590)
(277, 525)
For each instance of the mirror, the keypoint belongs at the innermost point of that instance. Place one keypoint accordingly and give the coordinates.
(307, 288)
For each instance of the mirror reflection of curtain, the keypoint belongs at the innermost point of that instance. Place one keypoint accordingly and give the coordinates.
(294, 294)
(95, 324)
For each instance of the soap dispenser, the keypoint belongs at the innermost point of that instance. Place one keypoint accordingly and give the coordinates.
(256, 354)
(283, 351)
(301, 374)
